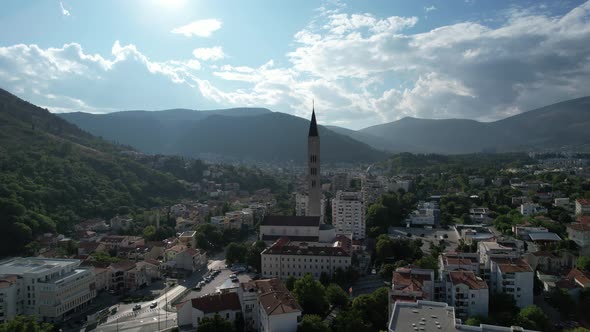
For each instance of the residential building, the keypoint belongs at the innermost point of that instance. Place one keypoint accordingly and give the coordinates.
(582, 207)
(128, 276)
(523, 231)
(286, 258)
(348, 214)
(531, 209)
(467, 292)
(190, 259)
(371, 188)
(115, 242)
(409, 284)
(96, 225)
(476, 181)
(189, 239)
(550, 262)
(226, 305)
(301, 206)
(49, 289)
(563, 203)
(480, 215)
(121, 223)
(514, 277)
(427, 213)
(428, 316)
(490, 250)
(579, 233)
(453, 261)
(269, 306)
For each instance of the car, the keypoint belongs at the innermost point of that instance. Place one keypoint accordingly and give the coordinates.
(136, 307)
(235, 280)
(153, 305)
(197, 287)
(114, 310)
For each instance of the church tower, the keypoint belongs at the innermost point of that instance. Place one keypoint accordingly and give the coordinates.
(313, 168)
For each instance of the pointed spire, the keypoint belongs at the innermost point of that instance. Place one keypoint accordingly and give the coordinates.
(313, 126)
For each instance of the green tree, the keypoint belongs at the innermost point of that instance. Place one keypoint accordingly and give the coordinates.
(473, 321)
(253, 257)
(336, 295)
(149, 232)
(235, 253)
(387, 271)
(25, 324)
(290, 283)
(533, 318)
(583, 263)
(215, 324)
(312, 323)
(503, 309)
(427, 262)
(373, 308)
(311, 295)
(349, 320)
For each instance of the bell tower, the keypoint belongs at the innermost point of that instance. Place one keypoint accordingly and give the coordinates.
(313, 168)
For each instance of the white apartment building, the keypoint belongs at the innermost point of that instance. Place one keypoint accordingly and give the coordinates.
(49, 289)
(348, 214)
(372, 189)
(579, 233)
(562, 202)
(514, 277)
(582, 207)
(489, 250)
(268, 305)
(285, 258)
(448, 262)
(468, 293)
(531, 209)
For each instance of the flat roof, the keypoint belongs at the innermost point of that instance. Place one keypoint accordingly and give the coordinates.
(291, 221)
(20, 265)
(422, 316)
(544, 236)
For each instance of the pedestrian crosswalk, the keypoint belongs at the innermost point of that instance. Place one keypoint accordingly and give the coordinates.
(131, 314)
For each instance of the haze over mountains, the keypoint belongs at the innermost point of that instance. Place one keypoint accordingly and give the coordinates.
(259, 134)
(252, 134)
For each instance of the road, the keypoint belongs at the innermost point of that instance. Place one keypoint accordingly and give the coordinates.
(155, 319)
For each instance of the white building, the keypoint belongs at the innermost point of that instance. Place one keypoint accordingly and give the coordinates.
(268, 306)
(468, 293)
(428, 316)
(514, 277)
(372, 189)
(531, 209)
(563, 203)
(582, 207)
(191, 259)
(226, 305)
(448, 262)
(49, 289)
(348, 214)
(286, 258)
(427, 213)
(579, 233)
(490, 250)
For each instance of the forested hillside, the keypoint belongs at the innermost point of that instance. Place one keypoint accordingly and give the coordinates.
(52, 175)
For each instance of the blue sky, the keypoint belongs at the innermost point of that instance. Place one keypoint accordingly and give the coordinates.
(364, 62)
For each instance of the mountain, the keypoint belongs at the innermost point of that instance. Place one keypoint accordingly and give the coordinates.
(149, 131)
(53, 174)
(564, 125)
(244, 134)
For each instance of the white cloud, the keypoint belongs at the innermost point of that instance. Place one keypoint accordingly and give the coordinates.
(200, 28)
(429, 8)
(64, 11)
(209, 53)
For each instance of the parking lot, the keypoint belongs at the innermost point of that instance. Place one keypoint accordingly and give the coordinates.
(219, 282)
(427, 236)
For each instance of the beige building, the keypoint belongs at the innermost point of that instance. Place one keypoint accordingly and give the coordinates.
(49, 289)
(286, 258)
(348, 214)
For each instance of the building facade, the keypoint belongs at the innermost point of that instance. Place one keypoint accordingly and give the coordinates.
(348, 214)
(49, 289)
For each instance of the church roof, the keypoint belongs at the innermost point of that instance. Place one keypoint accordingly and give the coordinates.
(313, 126)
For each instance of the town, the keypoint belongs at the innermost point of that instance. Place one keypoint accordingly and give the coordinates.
(419, 242)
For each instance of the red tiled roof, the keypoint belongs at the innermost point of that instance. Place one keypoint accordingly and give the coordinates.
(579, 227)
(467, 278)
(584, 220)
(579, 276)
(507, 265)
(583, 201)
(281, 247)
(123, 265)
(216, 303)
(405, 280)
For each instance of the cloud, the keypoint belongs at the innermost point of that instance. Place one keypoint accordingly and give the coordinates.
(429, 8)
(209, 53)
(64, 11)
(201, 28)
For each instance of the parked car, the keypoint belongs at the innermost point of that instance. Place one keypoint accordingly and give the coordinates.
(153, 305)
(198, 287)
(136, 307)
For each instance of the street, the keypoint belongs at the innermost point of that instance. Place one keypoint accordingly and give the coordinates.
(158, 318)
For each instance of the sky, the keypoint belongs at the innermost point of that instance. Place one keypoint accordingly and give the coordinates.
(362, 62)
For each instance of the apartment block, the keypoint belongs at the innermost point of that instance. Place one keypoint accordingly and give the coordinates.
(348, 214)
